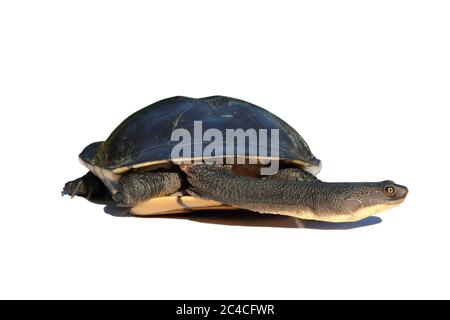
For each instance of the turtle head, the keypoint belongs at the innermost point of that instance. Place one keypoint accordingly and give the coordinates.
(356, 201)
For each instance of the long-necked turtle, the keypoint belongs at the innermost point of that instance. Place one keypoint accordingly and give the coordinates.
(135, 166)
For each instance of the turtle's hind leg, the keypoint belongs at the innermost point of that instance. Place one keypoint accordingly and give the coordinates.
(88, 186)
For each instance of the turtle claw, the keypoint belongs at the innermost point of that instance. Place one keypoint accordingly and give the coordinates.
(74, 188)
(119, 198)
(122, 200)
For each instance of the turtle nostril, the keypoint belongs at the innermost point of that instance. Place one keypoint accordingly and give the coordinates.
(402, 191)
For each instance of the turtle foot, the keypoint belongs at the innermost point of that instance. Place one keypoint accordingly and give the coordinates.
(88, 186)
(75, 188)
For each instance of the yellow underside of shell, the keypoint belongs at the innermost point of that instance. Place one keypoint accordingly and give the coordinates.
(176, 204)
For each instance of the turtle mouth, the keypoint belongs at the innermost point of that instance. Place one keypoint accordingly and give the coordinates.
(394, 203)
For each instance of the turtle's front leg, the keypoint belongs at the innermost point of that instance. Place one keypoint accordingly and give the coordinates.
(88, 186)
(137, 187)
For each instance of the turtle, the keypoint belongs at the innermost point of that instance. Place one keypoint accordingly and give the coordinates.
(135, 167)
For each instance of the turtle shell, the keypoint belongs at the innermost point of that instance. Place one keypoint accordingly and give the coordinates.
(144, 138)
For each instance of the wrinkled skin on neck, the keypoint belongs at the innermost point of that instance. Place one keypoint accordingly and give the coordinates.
(315, 200)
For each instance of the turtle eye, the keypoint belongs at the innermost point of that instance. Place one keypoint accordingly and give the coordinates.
(389, 190)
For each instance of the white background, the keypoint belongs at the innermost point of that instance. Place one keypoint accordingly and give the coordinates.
(366, 83)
